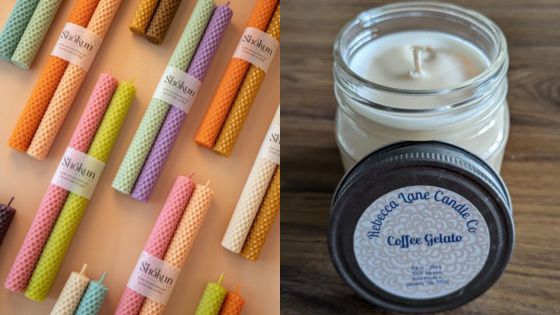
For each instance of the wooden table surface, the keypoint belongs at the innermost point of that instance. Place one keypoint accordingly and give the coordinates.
(312, 168)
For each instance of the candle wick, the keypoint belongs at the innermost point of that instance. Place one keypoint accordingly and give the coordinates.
(417, 53)
(83, 271)
(207, 183)
(221, 279)
(10, 203)
(192, 174)
(103, 276)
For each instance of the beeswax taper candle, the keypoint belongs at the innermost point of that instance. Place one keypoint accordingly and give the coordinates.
(255, 189)
(71, 293)
(74, 208)
(232, 79)
(270, 207)
(35, 32)
(245, 97)
(15, 26)
(184, 237)
(71, 82)
(145, 135)
(176, 116)
(93, 298)
(55, 196)
(212, 298)
(233, 303)
(7, 214)
(143, 15)
(161, 20)
(41, 95)
(131, 300)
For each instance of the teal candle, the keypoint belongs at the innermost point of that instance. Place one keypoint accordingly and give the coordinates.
(93, 299)
(15, 26)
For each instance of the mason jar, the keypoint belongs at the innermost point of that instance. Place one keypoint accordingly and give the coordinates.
(472, 114)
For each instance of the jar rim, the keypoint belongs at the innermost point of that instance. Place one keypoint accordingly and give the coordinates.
(476, 83)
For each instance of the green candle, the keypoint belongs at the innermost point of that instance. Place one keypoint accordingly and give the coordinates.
(93, 299)
(212, 298)
(74, 208)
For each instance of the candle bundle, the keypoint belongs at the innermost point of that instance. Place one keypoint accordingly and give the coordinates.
(176, 116)
(255, 189)
(183, 239)
(46, 85)
(35, 32)
(262, 224)
(76, 203)
(72, 65)
(7, 214)
(55, 196)
(152, 18)
(131, 301)
(216, 300)
(71, 82)
(245, 97)
(81, 296)
(15, 26)
(155, 114)
(232, 80)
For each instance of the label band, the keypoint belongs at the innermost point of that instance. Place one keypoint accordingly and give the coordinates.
(77, 45)
(153, 278)
(270, 148)
(177, 88)
(78, 173)
(257, 48)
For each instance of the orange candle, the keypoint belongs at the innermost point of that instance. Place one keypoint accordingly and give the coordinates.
(233, 304)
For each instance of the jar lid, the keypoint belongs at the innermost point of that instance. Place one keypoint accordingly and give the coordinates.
(421, 227)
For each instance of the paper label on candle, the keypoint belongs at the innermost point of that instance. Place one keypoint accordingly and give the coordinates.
(270, 148)
(153, 278)
(78, 173)
(177, 88)
(77, 45)
(257, 48)
(421, 242)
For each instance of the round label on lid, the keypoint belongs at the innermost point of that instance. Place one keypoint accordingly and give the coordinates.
(421, 242)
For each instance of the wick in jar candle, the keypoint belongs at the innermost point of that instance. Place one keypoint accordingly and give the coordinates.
(418, 53)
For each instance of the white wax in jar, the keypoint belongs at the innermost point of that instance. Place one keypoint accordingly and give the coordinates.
(444, 60)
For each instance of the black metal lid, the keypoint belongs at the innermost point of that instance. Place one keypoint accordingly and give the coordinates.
(421, 227)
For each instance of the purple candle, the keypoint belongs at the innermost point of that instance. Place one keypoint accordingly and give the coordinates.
(175, 117)
(6, 215)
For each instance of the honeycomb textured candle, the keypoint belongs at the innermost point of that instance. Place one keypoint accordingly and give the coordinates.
(69, 85)
(268, 212)
(145, 135)
(7, 214)
(176, 117)
(184, 237)
(159, 25)
(46, 85)
(232, 79)
(233, 304)
(93, 298)
(251, 197)
(15, 26)
(74, 208)
(212, 299)
(245, 98)
(71, 293)
(55, 196)
(35, 32)
(160, 237)
(143, 15)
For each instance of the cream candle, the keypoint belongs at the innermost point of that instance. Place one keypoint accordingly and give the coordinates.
(421, 71)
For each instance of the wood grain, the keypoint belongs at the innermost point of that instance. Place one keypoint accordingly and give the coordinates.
(311, 165)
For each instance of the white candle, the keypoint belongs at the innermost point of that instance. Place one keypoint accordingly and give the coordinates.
(444, 60)
(413, 62)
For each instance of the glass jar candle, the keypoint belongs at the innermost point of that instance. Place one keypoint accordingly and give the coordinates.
(421, 71)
